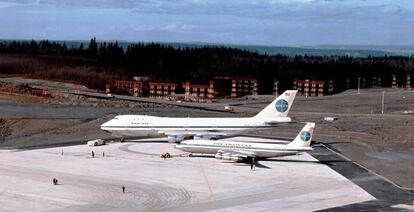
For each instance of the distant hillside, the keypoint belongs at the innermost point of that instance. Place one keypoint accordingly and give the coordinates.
(390, 49)
(293, 51)
(319, 50)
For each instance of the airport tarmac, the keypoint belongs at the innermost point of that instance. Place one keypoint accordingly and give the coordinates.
(381, 143)
(180, 183)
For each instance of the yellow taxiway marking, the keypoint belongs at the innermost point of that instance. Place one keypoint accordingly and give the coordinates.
(205, 177)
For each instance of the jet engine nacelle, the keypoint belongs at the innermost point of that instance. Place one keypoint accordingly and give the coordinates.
(175, 138)
(228, 156)
(202, 137)
(236, 158)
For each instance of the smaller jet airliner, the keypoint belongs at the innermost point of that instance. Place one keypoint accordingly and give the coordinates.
(177, 129)
(242, 151)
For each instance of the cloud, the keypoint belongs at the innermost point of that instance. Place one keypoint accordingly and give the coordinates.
(266, 22)
(291, 1)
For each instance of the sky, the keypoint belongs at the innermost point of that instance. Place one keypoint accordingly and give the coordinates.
(249, 22)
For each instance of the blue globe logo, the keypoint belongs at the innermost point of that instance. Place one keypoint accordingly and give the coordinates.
(305, 136)
(282, 105)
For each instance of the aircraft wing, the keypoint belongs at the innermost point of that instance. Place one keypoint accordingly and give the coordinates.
(190, 133)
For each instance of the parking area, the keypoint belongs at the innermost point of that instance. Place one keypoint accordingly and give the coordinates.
(179, 183)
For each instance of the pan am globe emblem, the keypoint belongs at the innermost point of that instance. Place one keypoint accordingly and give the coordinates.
(281, 105)
(305, 136)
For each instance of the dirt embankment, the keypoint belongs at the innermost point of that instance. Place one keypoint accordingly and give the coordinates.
(4, 129)
(69, 69)
(77, 100)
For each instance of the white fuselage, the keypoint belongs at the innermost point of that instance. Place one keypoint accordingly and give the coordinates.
(217, 146)
(142, 125)
(178, 128)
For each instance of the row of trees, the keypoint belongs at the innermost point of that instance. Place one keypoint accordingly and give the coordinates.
(165, 63)
(103, 51)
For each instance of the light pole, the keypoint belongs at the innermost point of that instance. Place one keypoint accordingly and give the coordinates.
(382, 108)
(359, 79)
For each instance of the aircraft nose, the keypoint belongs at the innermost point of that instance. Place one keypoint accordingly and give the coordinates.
(106, 124)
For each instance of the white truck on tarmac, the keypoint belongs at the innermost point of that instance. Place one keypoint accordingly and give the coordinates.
(96, 142)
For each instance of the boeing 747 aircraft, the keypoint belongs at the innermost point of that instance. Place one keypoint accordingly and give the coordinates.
(241, 151)
(177, 129)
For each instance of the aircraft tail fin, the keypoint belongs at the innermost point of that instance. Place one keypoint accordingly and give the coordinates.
(279, 107)
(304, 138)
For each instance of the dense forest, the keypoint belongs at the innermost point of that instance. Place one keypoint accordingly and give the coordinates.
(96, 63)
